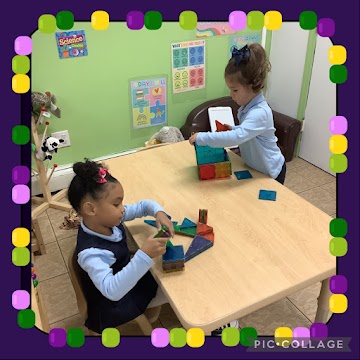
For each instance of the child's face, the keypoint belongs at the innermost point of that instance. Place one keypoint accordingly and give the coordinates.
(109, 210)
(240, 94)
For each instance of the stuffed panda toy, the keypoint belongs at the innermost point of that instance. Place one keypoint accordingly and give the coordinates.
(49, 146)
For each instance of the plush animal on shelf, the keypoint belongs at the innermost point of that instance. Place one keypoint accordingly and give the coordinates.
(49, 146)
(167, 134)
(44, 102)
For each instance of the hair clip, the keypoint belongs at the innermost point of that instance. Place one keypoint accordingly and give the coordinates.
(241, 55)
(100, 178)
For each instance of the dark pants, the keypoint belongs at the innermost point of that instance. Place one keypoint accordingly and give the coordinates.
(281, 177)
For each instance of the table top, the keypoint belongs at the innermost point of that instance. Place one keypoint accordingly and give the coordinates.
(263, 250)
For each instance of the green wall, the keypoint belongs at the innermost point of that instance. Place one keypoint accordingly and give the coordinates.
(93, 91)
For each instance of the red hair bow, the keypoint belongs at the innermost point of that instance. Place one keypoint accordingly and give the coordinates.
(100, 179)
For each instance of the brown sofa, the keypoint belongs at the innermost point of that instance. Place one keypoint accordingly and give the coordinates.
(287, 128)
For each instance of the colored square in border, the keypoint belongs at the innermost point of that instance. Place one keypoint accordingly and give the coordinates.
(248, 335)
(100, 20)
(75, 337)
(338, 74)
(338, 163)
(57, 337)
(20, 237)
(338, 303)
(47, 24)
(337, 55)
(135, 20)
(20, 64)
(110, 337)
(20, 135)
(338, 144)
(20, 175)
(273, 20)
(230, 336)
(237, 20)
(20, 194)
(301, 335)
(338, 227)
(23, 45)
(160, 337)
(20, 256)
(65, 20)
(178, 337)
(255, 20)
(26, 319)
(326, 27)
(308, 20)
(20, 83)
(338, 284)
(338, 125)
(338, 246)
(283, 336)
(20, 299)
(318, 330)
(153, 20)
(188, 20)
(195, 337)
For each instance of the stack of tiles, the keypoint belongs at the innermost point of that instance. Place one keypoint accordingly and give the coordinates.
(173, 259)
(213, 163)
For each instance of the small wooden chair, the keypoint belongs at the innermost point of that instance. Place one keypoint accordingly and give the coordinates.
(144, 321)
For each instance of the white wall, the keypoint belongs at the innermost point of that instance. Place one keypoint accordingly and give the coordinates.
(321, 106)
(287, 57)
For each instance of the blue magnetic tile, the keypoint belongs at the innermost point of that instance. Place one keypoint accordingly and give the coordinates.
(244, 174)
(174, 253)
(267, 195)
(198, 245)
(153, 222)
(187, 223)
(150, 222)
(208, 155)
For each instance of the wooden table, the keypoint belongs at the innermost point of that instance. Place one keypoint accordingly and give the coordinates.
(263, 250)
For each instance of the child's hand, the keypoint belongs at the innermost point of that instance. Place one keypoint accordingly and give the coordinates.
(154, 247)
(163, 220)
(192, 138)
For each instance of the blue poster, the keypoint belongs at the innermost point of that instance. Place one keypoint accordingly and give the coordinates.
(71, 44)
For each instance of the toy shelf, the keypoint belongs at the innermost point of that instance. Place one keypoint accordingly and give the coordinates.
(47, 200)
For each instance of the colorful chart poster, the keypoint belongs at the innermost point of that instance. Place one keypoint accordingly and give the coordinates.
(71, 44)
(148, 99)
(244, 37)
(188, 65)
(206, 29)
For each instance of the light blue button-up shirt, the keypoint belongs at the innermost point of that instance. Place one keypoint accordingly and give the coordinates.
(255, 136)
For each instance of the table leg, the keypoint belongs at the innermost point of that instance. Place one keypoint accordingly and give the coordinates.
(323, 311)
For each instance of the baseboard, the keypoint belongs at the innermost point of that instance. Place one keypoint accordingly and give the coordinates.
(63, 175)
